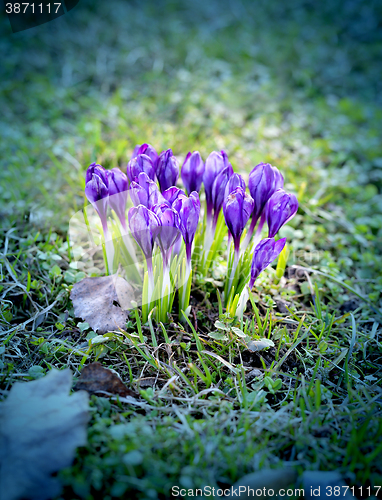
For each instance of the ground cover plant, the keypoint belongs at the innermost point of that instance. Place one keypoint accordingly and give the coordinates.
(294, 382)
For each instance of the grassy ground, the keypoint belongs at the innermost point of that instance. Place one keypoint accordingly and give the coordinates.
(297, 85)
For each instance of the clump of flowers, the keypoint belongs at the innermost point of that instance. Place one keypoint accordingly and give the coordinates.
(177, 234)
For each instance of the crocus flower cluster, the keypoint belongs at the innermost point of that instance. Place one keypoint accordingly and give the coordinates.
(164, 216)
(173, 211)
(266, 202)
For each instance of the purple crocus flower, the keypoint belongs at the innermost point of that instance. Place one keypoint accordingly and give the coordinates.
(188, 209)
(168, 232)
(144, 227)
(261, 185)
(135, 151)
(167, 170)
(215, 163)
(280, 208)
(141, 163)
(279, 179)
(95, 168)
(144, 191)
(237, 209)
(192, 172)
(265, 253)
(118, 193)
(97, 192)
(146, 149)
(171, 194)
(218, 191)
(263, 181)
(236, 180)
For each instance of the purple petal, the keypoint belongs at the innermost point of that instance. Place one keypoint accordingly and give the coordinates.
(171, 194)
(142, 163)
(265, 253)
(118, 192)
(280, 208)
(96, 169)
(192, 172)
(236, 180)
(167, 170)
(237, 209)
(143, 225)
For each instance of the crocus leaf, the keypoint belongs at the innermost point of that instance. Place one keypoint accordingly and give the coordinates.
(40, 429)
(259, 345)
(93, 300)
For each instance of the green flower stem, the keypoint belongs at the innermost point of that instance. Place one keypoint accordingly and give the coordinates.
(233, 269)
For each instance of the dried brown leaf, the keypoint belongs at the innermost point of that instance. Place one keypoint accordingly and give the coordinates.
(265, 480)
(93, 300)
(96, 378)
(41, 426)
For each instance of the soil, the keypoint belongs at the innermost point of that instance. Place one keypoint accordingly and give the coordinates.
(253, 359)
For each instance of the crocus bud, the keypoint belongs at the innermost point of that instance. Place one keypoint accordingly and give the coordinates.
(265, 253)
(95, 168)
(146, 149)
(261, 185)
(142, 163)
(135, 151)
(171, 194)
(237, 209)
(97, 191)
(218, 190)
(215, 163)
(264, 180)
(144, 225)
(236, 180)
(280, 208)
(188, 209)
(192, 172)
(144, 191)
(279, 179)
(167, 170)
(118, 192)
(168, 232)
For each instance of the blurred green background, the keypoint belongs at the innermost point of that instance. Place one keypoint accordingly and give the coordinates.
(296, 83)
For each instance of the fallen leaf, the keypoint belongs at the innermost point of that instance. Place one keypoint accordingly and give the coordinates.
(259, 345)
(265, 480)
(96, 378)
(318, 483)
(93, 300)
(40, 429)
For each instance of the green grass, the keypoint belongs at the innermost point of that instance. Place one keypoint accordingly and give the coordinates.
(295, 85)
